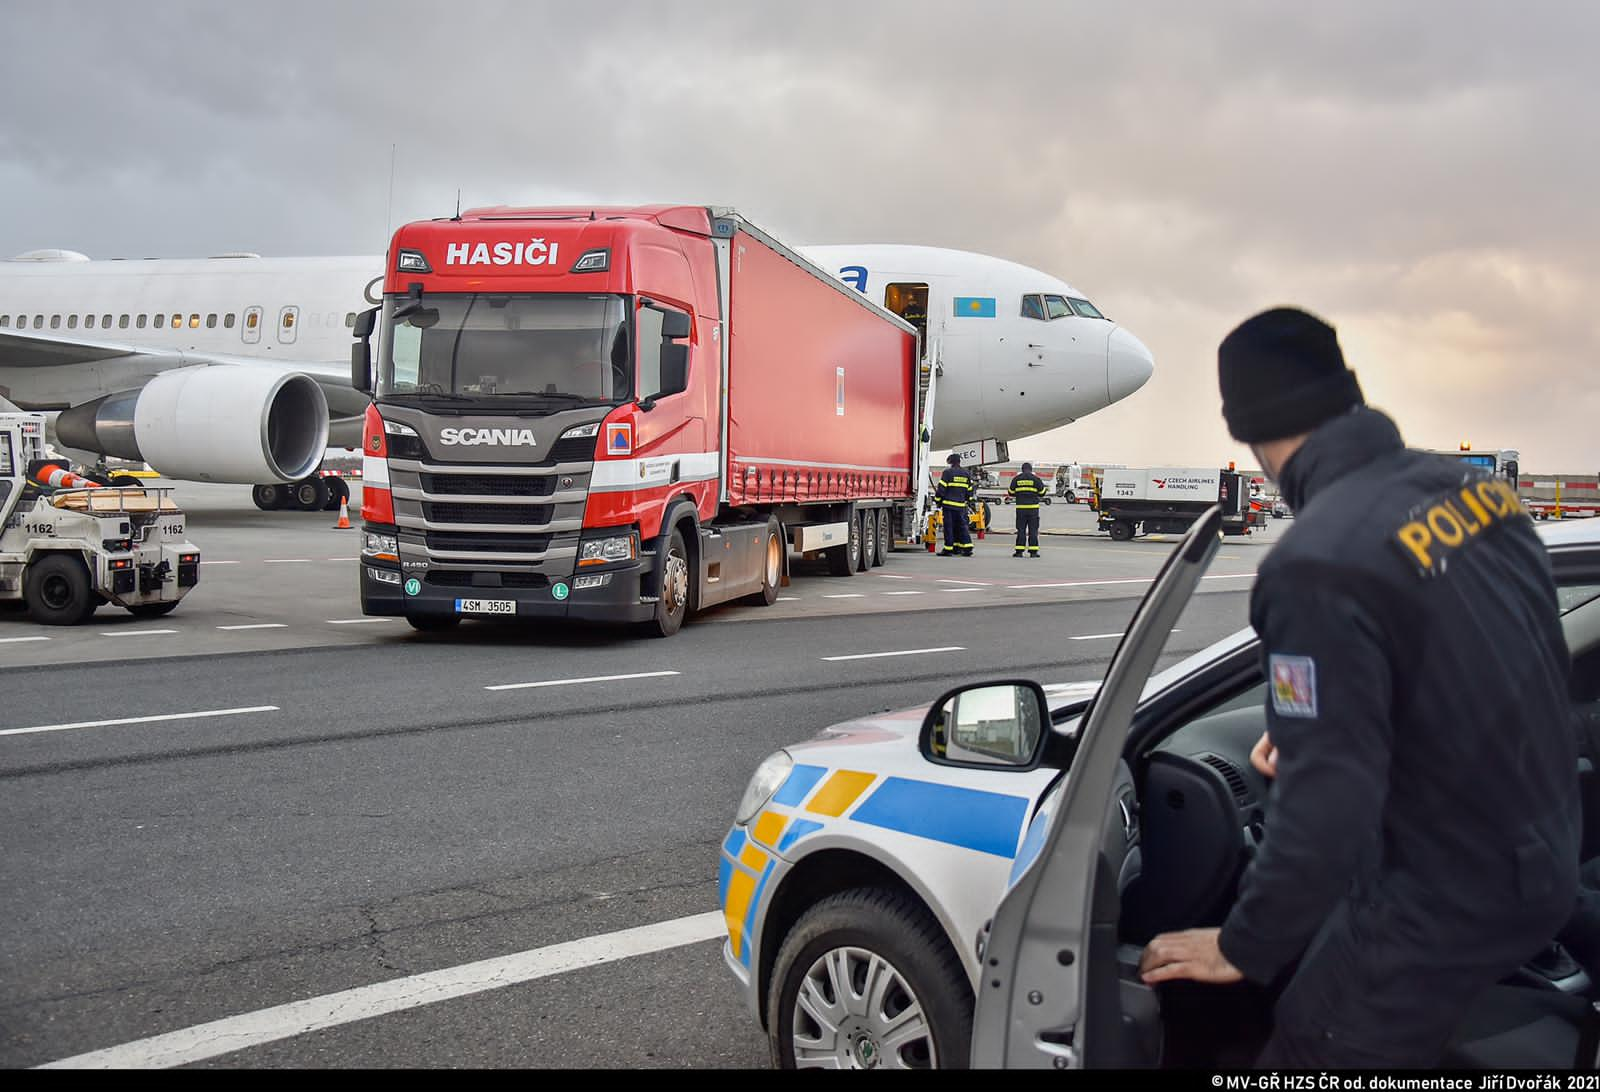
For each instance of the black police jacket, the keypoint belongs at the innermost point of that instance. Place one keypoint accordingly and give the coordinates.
(1027, 489)
(1416, 693)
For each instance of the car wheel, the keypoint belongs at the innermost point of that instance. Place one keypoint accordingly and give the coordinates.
(429, 623)
(152, 610)
(268, 498)
(885, 536)
(1121, 531)
(771, 566)
(672, 604)
(867, 980)
(57, 590)
(869, 539)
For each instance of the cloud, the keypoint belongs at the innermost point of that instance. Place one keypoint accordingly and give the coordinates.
(1421, 174)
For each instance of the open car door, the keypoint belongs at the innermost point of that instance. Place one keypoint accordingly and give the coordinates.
(1033, 1006)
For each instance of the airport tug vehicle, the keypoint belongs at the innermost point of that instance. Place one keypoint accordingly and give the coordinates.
(68, 545)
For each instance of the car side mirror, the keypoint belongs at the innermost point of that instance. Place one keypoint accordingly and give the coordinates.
(988, 724)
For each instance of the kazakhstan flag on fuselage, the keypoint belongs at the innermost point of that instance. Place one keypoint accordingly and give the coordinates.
(974, 307)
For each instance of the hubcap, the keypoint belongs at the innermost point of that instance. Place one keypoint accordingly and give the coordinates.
(774, 561)
(57, 593)
(675, 583)
(856, 1011)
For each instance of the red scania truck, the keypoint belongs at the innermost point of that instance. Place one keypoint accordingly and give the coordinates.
(622, 415)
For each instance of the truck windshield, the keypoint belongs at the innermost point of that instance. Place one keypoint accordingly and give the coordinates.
(556, 347)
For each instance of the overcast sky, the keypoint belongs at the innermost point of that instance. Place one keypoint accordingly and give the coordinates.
(1423, 175)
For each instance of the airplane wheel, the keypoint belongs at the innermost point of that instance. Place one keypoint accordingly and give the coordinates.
(311, 495)
(338, 493)
(269, 498)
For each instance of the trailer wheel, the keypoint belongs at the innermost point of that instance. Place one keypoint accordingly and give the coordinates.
(268, 498)
(153, 610)
(57, 590)
(845, 560)
(672, 605)
(869, 540)
(1121, 531)
(885, 537)
(771, 565)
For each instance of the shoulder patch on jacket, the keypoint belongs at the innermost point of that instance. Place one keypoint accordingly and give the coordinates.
(1443, 525)
(1294, 685)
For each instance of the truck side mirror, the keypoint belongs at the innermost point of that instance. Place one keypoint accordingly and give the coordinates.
(361, 351)
(674, 369)
(674, 325)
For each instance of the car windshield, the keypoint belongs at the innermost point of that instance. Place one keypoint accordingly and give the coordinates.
(497, 346)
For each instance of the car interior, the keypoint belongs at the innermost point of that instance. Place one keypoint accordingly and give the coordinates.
(1183, 826)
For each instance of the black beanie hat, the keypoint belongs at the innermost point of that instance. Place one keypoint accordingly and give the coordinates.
(954, 459)
(1282, 374)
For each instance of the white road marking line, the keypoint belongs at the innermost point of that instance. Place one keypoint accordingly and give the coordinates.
(1095, 637)
(979, 583)
(356, 621)
(902, 652)
(219, 563)
(887, 576)
(135, 632)
(259, 625)
(235, 1033)
(781, 599)
(1081, 583)
(288, 561)
(139, 720)
(1230, 576)
(957, 589)
(589, 679)
(19, 640)
(846, 595)
(902, 593)
(341, 559)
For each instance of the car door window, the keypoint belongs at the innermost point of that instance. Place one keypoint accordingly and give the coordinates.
(1035, 975)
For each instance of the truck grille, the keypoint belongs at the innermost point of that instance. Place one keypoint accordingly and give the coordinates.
(487, 543)
(509, 514)
(445, 578)
(488, 485)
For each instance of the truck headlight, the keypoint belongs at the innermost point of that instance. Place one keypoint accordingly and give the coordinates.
(386, 546)
(599, 551)
(768, 779)
(581, 432)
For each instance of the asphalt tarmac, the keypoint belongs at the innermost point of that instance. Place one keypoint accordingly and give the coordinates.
(217, 824)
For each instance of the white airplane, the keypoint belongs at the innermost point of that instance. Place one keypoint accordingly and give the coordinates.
(236, 368)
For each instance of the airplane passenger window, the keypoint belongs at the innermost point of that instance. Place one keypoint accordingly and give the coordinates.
(177, 322)
(227, 321)
(5, 320)
(122, 322)
(161, 320)
(251, 320)
(140, 322)
(55, 322)
(194, 322)
(333, 320)
(288, 320)
(1085, 308)
(38, 321)
(1057, 307)
(72, 322)
(350, 320)
(105, 322)
(1032, 308)
(211, 321)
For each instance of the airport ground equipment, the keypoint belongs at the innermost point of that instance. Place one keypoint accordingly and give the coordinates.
(1560, 496)
(1167, 500)
(68, 545)
(626, 415)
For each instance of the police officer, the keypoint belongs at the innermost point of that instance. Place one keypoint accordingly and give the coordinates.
(1026, 489)
(955, 490)
(1422, 835)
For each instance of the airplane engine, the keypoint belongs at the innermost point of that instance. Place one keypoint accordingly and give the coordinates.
(226, 423)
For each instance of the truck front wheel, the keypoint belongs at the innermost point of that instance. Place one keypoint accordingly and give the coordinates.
(1121, 531)
(672, 604)
(867, 980)
(58, 592)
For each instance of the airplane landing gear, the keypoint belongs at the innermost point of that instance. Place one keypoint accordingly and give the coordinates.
(313, 494)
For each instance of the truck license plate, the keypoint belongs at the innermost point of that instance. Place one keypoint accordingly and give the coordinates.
(486, 606)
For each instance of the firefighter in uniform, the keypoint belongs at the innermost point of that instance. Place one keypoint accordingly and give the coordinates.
(1423, 831)
(955, 490)
(1026, 489)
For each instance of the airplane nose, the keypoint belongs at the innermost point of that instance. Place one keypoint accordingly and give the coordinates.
(1129, 364)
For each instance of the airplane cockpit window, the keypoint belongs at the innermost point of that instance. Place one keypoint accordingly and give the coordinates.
(1032, 307)
(1085, 308)
(1057, 307)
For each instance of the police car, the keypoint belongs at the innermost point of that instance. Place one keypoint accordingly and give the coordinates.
(925, 888)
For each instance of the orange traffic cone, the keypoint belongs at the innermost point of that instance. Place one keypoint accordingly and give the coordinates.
(344, 515)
